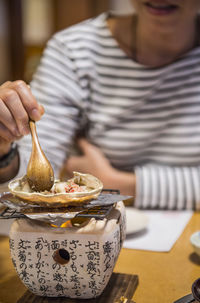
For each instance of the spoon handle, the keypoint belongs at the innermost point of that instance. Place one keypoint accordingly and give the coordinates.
(186, 299)
(34, 133)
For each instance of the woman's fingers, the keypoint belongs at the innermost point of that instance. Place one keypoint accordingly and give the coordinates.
(5, 84)
(13, 114)
(17, 106)
(7, 119)
(6, 135)
(28, 100)
(41, 109)
(88, 148)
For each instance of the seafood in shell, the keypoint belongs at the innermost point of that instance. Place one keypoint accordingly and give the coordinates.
(80, 189)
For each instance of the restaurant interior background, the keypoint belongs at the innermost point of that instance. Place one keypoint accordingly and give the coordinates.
(26, 25)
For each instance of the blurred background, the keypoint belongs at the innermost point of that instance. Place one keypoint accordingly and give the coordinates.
(26, 25)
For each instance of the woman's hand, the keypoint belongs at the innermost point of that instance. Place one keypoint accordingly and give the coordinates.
(94, 162)
(17, 106)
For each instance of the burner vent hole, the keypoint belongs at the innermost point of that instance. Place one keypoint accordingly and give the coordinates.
(61, 256)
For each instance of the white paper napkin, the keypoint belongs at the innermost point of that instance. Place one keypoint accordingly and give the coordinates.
(163, 230)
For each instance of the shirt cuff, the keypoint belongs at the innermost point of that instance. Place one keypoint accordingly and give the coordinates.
(21, 172)
(166, 187)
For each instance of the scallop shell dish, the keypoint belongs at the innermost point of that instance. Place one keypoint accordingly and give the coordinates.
(80, 189)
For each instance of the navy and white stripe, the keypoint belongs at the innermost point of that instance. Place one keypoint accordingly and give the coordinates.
(145, 120)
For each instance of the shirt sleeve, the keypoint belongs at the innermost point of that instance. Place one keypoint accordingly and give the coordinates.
(167, 187)
(57, 87)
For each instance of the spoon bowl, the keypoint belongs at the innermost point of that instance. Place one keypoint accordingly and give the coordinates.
(40, 174)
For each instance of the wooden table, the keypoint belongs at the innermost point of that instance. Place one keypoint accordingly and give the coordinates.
(163, 277)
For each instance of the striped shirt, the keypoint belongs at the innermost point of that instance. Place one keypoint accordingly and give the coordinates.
(145, 120)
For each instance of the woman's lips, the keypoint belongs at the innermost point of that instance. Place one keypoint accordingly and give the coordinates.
(160, 9)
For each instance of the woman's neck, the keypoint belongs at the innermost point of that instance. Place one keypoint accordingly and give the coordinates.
(152, 46)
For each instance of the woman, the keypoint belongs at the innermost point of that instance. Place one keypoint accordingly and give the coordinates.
(132, 84)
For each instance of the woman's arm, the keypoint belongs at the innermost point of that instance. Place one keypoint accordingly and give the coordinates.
(153, 186)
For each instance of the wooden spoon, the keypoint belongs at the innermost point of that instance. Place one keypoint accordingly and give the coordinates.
(40, 174)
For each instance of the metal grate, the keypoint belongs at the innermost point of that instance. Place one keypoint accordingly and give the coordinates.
(98, 209)
(97, 212)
